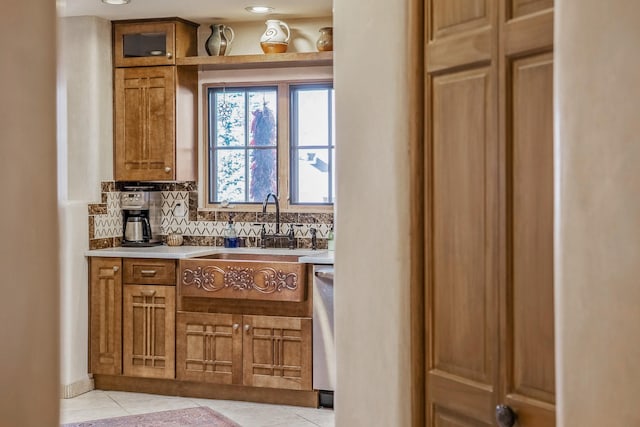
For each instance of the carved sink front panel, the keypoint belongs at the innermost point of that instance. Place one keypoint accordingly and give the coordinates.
(242, 279)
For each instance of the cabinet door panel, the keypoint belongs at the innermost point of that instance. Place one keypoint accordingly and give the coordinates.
(105, 347)
(145, 123)
(277, 352)
(209, 347)
(149, 331)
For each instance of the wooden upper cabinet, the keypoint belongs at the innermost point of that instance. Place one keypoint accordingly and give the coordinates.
(149, 143)
(142, 43)
(144, 123)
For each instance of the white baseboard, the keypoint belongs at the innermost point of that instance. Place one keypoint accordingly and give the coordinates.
(77, 388)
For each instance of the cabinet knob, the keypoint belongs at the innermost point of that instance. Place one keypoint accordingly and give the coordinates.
(247, 327)
(236, 326)
(169, 55)
(505, 416)
(116, 268)
(167, 169)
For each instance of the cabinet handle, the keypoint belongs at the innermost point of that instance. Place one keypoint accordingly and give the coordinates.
(116, 268)
(167, 169)
(169, 55)
(149, 293)
(148, 272)
(247, 327)
(236, 326)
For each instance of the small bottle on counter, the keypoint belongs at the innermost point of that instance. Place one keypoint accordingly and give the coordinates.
(230, 236)
(331, 243)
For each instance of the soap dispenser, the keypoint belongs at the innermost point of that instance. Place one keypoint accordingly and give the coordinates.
(230, 235)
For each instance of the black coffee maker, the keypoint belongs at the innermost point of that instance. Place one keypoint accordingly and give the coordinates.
(140, 218)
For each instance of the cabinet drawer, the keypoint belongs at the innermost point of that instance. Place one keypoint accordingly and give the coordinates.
(149, 271)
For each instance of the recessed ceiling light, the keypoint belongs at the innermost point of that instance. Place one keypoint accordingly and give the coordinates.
(116, 1)
(259, 9)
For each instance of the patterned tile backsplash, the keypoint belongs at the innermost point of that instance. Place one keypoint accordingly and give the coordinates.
(180, 214)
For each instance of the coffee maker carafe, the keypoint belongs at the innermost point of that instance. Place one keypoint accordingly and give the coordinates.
(140, 218)
(137, 228)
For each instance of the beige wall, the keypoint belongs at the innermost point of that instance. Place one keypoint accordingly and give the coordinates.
(598, 212)
(372, 214)
(85, 145)
(28, 219)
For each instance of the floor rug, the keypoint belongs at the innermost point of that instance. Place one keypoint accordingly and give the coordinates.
(190, 417)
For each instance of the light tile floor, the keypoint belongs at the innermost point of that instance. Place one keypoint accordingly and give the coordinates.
(106, 404)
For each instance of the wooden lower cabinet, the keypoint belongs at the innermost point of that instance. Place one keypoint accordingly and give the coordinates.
(105, 316)
(209, 347)
(258, 351)
(149, 331)
(276, 352)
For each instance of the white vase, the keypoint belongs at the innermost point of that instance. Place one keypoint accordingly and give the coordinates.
(275, 39)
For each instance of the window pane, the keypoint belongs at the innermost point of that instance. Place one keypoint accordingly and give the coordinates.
(263, 174)
(312, 144)
(263, 113)
(242, 118)
(230, 175)
(230, 118)
(313, 114)
(313, 176)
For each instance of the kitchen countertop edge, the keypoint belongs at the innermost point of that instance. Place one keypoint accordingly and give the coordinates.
(183, 252)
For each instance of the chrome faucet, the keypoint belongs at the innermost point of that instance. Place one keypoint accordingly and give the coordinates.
(275, 202)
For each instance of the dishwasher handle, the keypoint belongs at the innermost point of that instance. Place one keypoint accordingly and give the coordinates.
(323, 274)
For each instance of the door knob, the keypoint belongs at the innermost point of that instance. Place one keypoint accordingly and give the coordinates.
(505, 416)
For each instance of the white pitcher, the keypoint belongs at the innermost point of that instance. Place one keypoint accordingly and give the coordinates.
(274, 39)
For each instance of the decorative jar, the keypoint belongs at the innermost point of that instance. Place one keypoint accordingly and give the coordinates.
(219, 41)
(325, 41)
(274, 39)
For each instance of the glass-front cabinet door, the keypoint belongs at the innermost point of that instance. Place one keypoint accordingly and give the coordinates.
(140, 44)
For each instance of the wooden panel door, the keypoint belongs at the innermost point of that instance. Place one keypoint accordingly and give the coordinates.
(527, 316)
(145, 123)
(488, 212)
(277, 352)
(105, 329)
(461, 215)
(149, 331)
(209, 347)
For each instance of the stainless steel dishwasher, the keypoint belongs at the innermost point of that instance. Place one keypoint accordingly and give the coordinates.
(324, 350)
